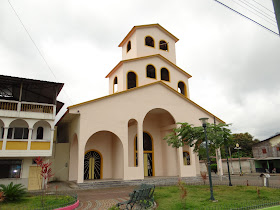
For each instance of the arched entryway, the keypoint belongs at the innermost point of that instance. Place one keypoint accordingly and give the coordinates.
(158, 123)
(148, 150)
(103, 157)
(92, 165)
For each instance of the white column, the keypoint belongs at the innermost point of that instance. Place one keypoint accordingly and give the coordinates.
(54, 111)
(140, 148)
(180, 161)
(125, 153)
(5, 138)
(19, 106)
(29, 138)
(80, 168)
(52, 133)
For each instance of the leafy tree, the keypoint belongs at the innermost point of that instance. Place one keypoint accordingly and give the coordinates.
(245, 141)
(187, 134)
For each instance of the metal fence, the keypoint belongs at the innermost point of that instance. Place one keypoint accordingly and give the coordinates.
(68, 199)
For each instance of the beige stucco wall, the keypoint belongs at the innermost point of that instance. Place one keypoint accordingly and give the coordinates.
(121, 83)
(113, 113)
(139, 49)
(132, 53)
(60, 161)
(139, 67)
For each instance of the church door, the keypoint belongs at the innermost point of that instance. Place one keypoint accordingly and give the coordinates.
(148, 154)
(92, 165)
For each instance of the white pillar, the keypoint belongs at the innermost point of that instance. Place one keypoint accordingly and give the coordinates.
(124, 141)
(18, 106)
(29, 138)
(80, 168)
(51, 140)
(5, 138)
(140, 148)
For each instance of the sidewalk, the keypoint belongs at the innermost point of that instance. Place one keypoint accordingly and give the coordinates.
(100, 199)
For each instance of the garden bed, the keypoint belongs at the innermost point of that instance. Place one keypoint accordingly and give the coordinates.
(34, 202)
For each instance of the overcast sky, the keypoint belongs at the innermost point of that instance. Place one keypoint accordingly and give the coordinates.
(234, 62)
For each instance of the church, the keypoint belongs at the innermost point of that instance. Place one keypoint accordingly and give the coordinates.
(120, 136)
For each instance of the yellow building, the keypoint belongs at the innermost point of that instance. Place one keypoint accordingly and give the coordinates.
(27, 114)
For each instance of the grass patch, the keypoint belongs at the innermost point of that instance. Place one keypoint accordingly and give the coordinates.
(198, 196)
(35, 202)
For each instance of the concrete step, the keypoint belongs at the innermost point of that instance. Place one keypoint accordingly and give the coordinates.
(98, 184)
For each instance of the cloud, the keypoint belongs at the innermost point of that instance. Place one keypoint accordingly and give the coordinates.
(234, 63)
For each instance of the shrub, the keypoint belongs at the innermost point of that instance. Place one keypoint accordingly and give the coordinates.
(214, 168)
(13, 192)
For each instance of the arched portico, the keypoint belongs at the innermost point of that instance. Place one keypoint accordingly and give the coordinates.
(41, 130)
(107, 147)
(158, 123)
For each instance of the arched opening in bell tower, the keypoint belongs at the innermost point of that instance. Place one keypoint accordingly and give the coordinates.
(151, 71)
(164, 74)
(182, 88)
(131, 80)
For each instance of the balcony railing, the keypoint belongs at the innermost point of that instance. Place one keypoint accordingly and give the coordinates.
(4, 105)
(26, 107)
(36, 108)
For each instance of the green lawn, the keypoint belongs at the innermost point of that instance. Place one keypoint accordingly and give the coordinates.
(35, 201)
(198, 196)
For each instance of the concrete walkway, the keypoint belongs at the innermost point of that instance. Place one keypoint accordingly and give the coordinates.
(100, 199)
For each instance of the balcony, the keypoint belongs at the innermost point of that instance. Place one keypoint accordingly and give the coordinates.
(25, 148)
(27, 110)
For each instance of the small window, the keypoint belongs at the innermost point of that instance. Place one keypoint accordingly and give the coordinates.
(151, 71)
(164, 74)
(128, 47)
(163, 45)
(131, 80)
(10, 168)
(186, 158)
(115, 88)
(10, 133)
(264, 151)
(182, 88)
(2, 132)
(149, 41)
(18, 133)
(40, 133)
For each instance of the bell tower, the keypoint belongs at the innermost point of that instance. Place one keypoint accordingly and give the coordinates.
(148, 56)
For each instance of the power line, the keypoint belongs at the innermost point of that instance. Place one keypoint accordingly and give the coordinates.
(246, 17)
(254, 13)
(263, 6)
(261, 12)
(37, 48)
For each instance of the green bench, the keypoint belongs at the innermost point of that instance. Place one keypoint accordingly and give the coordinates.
(142, 197)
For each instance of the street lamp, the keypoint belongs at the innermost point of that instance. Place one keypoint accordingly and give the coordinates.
(204, 121)
(238, 148)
